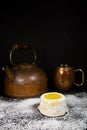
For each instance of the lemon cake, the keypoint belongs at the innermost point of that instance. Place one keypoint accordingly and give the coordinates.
(53, 104)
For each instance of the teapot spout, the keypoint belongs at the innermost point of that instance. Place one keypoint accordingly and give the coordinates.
(9, 72)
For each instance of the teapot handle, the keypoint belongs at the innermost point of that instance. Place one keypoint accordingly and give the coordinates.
(21, 46)
(82, 77)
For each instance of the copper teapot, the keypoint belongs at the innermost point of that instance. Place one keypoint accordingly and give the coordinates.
(25, 79)
(64, 77)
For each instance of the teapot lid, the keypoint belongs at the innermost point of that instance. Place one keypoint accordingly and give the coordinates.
(26, 66)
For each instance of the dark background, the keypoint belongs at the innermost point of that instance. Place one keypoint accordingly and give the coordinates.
(58, 32)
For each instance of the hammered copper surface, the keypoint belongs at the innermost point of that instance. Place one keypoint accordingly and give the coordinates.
(64, 77)
(27, 81)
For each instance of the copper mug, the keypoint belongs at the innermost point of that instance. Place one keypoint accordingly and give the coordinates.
(64, 77)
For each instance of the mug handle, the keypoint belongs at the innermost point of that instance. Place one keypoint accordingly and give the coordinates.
(21, 46)
(82, 77)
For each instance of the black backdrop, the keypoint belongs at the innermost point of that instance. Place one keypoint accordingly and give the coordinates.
(57, 31)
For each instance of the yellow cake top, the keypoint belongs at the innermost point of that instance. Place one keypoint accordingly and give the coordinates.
(53, 96)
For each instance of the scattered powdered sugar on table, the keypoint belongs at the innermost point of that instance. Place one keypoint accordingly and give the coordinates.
(23, 114)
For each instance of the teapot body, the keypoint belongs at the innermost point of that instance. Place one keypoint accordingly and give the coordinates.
(27, 81)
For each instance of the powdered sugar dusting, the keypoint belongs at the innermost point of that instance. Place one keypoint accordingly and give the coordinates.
(23, 114)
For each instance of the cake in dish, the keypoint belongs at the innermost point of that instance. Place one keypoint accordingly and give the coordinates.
(53, 104)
